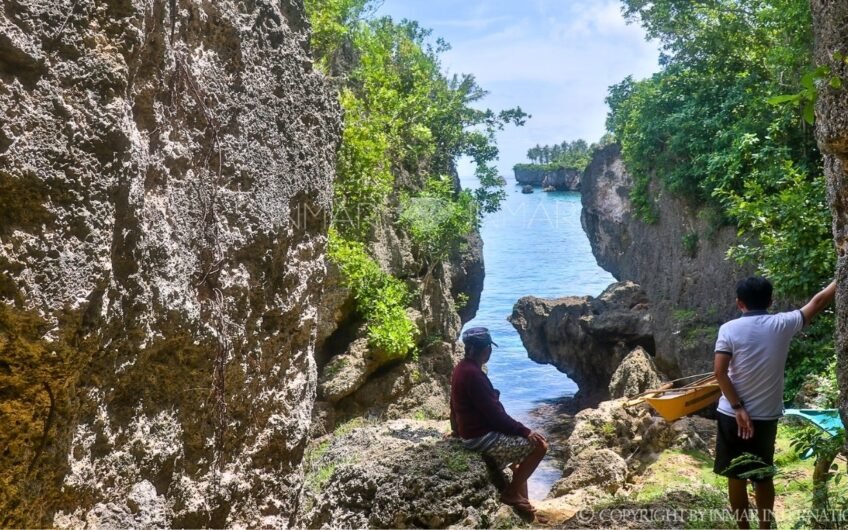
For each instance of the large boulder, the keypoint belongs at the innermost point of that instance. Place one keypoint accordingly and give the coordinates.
(585, 337)
(398, 474)
(679, 261)
(602, 468)
(165, 173)
(636, 373)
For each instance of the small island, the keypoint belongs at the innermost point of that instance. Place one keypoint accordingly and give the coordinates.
(557, 167)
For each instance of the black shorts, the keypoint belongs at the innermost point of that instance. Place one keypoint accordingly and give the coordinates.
(729, 446)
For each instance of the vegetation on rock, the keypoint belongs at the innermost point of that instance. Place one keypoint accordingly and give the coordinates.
(405, 124)
(575, 155)
(709, 128)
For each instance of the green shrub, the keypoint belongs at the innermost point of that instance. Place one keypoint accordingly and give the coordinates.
(380, 298)
(438, 219)
(690, 244)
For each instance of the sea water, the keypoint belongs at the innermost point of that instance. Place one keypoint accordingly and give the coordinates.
(534, 245)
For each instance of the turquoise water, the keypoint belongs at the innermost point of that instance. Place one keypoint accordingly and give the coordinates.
(533, 246)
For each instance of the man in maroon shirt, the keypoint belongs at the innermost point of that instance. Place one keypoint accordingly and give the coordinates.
(479, 418)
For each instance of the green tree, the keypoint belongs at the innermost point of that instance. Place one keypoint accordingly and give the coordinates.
(405, 124)
(705, 128)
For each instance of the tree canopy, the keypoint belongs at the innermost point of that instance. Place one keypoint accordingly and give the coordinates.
(709, 127)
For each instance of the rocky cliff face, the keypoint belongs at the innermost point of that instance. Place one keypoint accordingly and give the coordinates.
(679, 261)
(562, 179)
(829, 22)
(353, 381)
(161, 164)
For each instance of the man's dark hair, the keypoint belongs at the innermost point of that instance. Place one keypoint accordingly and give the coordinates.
(473, 347)
(754, 292)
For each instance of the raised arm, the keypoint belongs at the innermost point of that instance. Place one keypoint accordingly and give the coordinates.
(818, 302)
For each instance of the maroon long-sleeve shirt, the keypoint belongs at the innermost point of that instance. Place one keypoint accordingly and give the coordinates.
(476, 408)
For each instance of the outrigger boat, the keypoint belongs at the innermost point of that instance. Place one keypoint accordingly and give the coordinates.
(674, 403)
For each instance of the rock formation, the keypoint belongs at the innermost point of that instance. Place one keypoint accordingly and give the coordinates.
(161, 166)
(634, 375)
(399, 474)
(352, 380)
(585, 337)
(561, 179)
(605, 447)
(679, 261)
(829, 22)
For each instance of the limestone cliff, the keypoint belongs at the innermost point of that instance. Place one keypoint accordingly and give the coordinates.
(679, 261)
(353, 381)
(561, 179)
(829, 22)
(161, 164)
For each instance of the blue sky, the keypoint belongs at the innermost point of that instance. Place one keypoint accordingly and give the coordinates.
(554, 58)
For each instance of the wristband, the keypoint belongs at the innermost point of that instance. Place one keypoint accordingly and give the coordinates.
(738, 405)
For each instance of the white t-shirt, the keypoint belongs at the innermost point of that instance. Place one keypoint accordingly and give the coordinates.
(758, 343)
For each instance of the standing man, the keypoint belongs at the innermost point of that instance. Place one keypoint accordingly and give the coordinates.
(750, 358)
(479, 418)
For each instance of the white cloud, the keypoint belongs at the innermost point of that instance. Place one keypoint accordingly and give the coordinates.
(554, 58)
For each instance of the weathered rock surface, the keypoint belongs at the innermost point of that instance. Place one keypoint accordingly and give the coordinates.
(398, 474)
(679, 261)
(562, 179)
(601, 468)
(356, 380)
(585, 337)
(160, 260)
(829, 22)
(605, 448)
(634, 375)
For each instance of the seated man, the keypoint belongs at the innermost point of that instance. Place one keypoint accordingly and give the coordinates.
(478, 417)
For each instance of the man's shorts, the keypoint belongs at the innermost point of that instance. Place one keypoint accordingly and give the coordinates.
(503, 449)
(729, 446)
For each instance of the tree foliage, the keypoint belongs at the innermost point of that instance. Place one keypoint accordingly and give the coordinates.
(405, 124)
(709, 128)
(575, 155)
(402, 114)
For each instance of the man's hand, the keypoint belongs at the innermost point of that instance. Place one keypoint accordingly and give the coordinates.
(745, 424)
(538, 439)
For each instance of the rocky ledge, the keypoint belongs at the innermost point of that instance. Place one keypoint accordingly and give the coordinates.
(398, 474)
(586, 338)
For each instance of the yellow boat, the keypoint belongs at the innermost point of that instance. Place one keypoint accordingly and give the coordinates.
(678, 402)
(673, 403)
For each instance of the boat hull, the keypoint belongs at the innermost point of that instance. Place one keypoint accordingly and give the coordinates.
(675, 405)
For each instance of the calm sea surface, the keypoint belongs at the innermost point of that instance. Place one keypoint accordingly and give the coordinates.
(533, 246)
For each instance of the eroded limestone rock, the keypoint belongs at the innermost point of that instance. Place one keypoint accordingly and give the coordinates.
(585, 337)
(829, 22)
(634, 375)
(679, 261)
(164, 170)
(399, 474)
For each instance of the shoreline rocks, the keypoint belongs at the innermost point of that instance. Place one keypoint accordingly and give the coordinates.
(560, 179)
(585, 337)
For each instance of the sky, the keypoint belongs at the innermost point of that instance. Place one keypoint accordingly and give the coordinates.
(553, 58)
